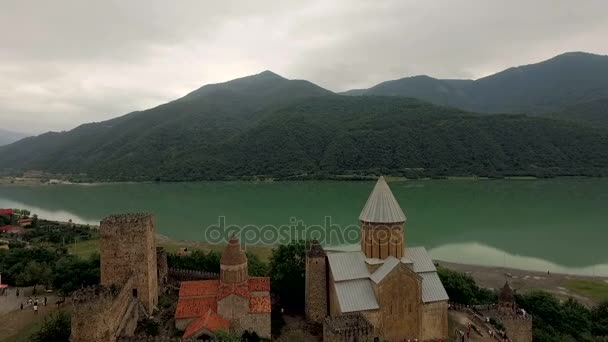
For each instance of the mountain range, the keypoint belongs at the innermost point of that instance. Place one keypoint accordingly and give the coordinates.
(572, 86)
(268, 126)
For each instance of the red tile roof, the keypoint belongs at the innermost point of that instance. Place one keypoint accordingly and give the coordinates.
(259, 304)
(210, 321)
(8, 212)
(194, 307)
(238, 289)
(259, 284)
(199, 288)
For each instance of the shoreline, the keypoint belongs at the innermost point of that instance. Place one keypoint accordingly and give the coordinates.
(21, 181)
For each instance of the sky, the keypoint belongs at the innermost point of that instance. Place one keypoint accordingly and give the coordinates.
(68, 62)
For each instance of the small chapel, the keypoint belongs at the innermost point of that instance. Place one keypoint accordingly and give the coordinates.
(381, 289)
(236, 302)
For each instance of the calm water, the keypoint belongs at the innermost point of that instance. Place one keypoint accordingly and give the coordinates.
(558, 225)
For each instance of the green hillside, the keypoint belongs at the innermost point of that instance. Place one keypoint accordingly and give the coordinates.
(568, 86)
(265, 125)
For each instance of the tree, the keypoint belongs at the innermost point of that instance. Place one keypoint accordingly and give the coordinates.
(256, 267)
(462, 289)
(288, 267)
(35, 273)
(55, 328)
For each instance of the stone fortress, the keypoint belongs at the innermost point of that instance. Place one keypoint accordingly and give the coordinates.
(380, 289)
(133, 272)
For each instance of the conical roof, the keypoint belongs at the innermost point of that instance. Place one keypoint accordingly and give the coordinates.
(233, 254)
(381, 206)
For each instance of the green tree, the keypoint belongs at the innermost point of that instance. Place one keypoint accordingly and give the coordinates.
(35, 273)
(55, 328)
(224, 336)
(462, 289)
(256, 267)
(288, 267)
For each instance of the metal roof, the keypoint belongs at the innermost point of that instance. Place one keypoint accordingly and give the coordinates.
(347, 266)
(421, 259)
(356, 295)
(388, 265)
(381, 206)
(432, 289)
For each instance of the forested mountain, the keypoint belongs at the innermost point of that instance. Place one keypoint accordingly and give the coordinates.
(265, 125)
(573, 86)
(7, 137)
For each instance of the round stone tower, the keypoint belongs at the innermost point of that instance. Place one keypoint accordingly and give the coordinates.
(382, 224)
(316, 283)
(233, 264)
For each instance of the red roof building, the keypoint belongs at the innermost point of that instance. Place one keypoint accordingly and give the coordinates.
(6, 212)
(207, 306)
(25, 222)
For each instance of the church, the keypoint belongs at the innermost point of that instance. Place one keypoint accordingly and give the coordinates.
(236, 302)
(381, 289)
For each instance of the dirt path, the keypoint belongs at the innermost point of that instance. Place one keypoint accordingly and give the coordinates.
(14, 321)
(521, 280)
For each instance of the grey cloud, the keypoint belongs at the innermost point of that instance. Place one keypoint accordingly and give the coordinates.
(66, 62)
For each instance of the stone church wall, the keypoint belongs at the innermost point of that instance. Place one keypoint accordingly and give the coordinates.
(258, 323)
(400, 313)
(233, 307)
(435, 321)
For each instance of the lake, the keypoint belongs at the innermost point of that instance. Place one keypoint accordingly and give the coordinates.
(557, 224)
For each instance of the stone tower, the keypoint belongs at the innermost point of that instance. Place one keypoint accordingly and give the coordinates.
(233, 264)
(382, 224)
(316, 283)
(128, 255)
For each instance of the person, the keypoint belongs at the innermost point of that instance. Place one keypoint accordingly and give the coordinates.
(21, 305)
(36, 308)
(17, 292)
(45, 301)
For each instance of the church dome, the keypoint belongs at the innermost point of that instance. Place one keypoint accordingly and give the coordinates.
(233, 254)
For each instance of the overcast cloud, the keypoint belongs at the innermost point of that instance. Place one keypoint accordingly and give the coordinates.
(67, 62)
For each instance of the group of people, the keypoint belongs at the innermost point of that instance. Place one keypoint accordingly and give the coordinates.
(32, 302)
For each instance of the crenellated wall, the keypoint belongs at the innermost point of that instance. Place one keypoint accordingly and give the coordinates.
(104, 313)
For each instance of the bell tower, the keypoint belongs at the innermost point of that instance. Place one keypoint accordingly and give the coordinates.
(382, 224)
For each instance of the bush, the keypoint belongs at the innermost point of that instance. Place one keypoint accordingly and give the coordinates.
(55, 328)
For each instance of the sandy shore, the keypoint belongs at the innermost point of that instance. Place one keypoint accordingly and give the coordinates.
(561, 285)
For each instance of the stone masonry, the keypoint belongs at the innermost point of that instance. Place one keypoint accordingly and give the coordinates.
(316, 284)
(128, 249)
